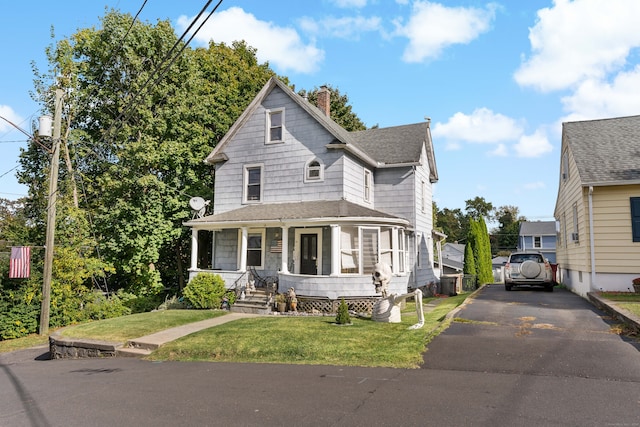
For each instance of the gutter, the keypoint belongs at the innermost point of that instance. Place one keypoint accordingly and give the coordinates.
(592, 240)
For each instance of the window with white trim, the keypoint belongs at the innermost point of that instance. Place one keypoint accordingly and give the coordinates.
(314, 171)
(349, 250)
(275, 126)
(255, 249)
(386, 246)
(565, 166)
(423, 195)
(575, 236)
(635, 218)
(537, 242)
(252, 189)
(402, 251)
(367, 185)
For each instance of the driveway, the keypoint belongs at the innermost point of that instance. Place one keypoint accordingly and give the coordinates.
(523, 358)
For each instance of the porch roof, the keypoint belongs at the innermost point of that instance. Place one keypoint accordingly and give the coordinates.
(297, 213)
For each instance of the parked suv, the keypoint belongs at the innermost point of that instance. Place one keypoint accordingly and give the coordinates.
(528, 269)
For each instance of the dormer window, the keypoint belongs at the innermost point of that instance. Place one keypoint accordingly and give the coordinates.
(313, 171)
(275, 126)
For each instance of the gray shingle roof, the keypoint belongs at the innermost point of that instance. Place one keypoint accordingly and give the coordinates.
(605, 151)
(538, 228)
(397, 144)
(294, 211)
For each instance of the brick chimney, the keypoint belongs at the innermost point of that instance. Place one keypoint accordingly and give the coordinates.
(324, 101)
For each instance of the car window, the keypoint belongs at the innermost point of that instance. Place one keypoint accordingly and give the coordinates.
(520, 258)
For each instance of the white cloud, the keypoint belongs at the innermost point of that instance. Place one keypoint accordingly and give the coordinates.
(534, 185)
(350, 3)
(281, 46)
(533, 145)
(482, 126)
(8, 113)
(432, 27)
(345, 27)
(499, 151)
(578, 40)
(596, 99)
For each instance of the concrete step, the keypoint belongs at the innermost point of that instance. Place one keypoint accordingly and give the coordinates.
(132, 352)
(141, 344)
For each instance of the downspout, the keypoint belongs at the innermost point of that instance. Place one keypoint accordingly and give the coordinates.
(591, 240)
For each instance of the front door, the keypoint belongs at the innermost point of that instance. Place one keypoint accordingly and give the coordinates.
(309, 254)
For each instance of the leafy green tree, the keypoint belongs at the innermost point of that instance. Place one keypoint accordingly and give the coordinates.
(479, 207)
(137, 139)
(454, 223)
(341, 111)
(508, 230)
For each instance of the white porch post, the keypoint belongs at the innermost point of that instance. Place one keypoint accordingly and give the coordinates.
(194, 249)
(335, 249)
(244, 233)
(395, 254)
(284, 268)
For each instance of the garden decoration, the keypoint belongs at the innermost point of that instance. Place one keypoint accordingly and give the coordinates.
(388, 308)
(293, 300)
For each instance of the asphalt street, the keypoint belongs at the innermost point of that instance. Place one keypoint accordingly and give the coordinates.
(521, 358)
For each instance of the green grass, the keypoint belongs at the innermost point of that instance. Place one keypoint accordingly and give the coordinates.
(314, 340)
(627, 300)
(121, 329)
(22, 343)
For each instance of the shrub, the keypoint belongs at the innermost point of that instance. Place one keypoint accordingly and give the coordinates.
(105, 308)
(205, 291)
(343, 317)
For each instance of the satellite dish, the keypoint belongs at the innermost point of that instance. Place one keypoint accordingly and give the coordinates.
(198, 204)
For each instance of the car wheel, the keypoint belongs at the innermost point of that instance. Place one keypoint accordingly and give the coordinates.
(530, 269)
(548, 288)
(507, 287)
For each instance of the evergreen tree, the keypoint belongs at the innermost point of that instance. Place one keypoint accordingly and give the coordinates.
(469, 261)
(485, 270)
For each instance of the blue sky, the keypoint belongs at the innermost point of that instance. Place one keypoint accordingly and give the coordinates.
(497, 79)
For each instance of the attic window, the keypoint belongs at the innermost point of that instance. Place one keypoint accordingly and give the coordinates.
(367, 185)
(275, 126)
(314, 171)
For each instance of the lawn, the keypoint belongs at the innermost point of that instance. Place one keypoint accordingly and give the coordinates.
(627, 300)
(314, 340)
(32, 340)
(121, 329)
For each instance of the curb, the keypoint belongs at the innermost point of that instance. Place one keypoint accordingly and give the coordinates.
(452, 314)
(615, 310)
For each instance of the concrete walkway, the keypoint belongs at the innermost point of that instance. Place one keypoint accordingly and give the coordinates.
(145, 345)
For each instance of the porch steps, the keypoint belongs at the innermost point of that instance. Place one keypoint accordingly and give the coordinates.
(256, 302)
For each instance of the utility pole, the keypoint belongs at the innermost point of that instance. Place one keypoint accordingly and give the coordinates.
(51, 216)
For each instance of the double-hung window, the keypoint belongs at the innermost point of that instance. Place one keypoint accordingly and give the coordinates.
(537, 242)
(255, 249)
(362, 247)
(252, 184)
(275, 126)
(367, 185)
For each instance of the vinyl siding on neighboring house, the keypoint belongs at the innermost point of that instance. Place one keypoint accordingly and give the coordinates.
(615, 251)
(569, 254)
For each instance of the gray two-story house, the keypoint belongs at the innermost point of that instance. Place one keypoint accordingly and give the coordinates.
(299, 198)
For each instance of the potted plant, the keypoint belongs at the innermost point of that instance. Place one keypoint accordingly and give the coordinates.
(281, 303)
(636, 285)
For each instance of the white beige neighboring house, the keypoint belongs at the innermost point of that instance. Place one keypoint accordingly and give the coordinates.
(598, 205)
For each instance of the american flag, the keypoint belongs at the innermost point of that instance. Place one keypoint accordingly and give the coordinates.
(20, 262)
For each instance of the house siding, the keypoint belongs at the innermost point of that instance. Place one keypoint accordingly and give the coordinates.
(395, 191)
(616, 255)
(615, 251)
(354, 182)
(284, 163)
(424, 223)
